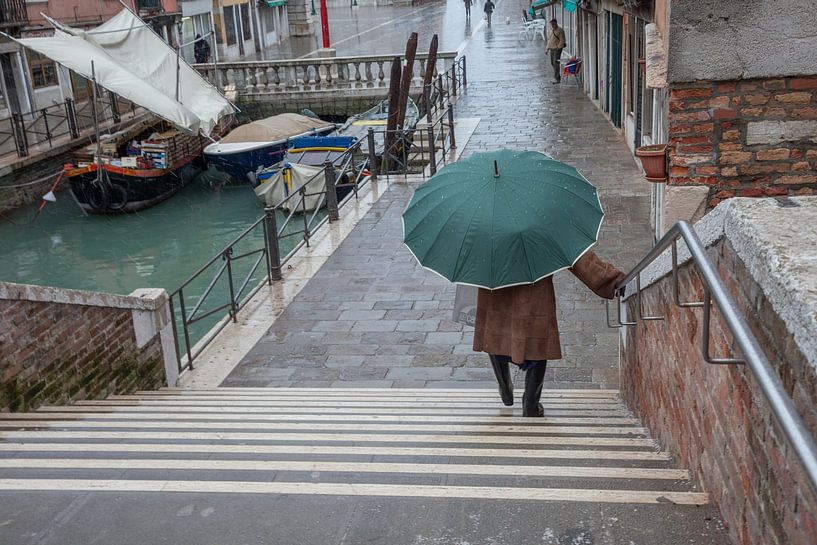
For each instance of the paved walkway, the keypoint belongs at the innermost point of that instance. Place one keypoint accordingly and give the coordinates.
(372, 317)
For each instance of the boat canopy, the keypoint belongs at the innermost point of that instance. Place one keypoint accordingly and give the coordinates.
(131, 60)
(275, 128)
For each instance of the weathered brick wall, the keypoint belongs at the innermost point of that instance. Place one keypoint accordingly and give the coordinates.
(750, 138)
(713, 417)
(55, 352)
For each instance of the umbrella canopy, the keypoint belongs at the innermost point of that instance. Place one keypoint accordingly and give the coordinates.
(502, 218)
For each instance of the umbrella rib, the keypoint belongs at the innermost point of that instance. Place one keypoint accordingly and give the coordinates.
(437, 235)
(521, 238)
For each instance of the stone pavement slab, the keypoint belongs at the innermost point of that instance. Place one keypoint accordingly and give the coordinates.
(372, 292)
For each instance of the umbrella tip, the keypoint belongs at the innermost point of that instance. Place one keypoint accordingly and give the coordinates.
(496, 170)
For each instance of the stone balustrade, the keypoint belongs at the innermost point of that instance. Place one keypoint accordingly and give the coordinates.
(252, 80)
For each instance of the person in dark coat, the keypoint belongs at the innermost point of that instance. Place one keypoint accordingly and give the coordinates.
(467, 8)
(201, 49)
(488, 9)
(518, 325)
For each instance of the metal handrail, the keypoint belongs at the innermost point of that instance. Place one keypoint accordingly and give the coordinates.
(770, 384)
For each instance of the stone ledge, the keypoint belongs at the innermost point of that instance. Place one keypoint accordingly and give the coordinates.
(778, 245)
(141, 299)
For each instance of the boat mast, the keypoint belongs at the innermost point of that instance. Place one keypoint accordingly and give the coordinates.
(96, 124)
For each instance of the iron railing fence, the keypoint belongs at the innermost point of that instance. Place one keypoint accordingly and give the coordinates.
(60, 122)
(299, 215)
(753, 357)
(13, 12)
(444, 89)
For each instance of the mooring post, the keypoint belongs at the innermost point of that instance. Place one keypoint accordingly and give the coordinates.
(432, 154)
(451, 126)
(273, 253)
(372, 156)
(331, 191)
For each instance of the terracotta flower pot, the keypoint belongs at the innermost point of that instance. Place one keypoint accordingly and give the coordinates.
(654, 160)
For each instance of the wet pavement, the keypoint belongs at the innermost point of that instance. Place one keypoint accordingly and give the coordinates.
(372, 317)
(381, 30)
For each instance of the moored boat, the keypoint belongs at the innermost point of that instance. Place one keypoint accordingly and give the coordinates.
(261, 143)
(377, 118)
(138, 170)
(145, 164)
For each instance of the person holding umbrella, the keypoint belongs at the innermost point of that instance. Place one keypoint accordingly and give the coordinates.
(505, 222)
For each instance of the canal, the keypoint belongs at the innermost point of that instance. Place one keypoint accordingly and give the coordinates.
(157, 248)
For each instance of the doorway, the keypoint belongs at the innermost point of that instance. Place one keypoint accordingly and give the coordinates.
(615, 27)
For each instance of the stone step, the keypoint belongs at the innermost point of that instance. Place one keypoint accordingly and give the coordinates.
(323, 449)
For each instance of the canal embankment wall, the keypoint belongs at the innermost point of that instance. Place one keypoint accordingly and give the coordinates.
(61, 345)
(715, 418)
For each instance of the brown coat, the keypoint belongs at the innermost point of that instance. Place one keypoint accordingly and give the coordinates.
(520, 321)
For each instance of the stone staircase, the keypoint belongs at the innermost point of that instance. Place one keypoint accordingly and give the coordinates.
(391, 466)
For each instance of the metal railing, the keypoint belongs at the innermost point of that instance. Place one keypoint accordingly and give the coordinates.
(770, 384)
(444, 89)
(13, 12)
(61, 122)
(300, 214)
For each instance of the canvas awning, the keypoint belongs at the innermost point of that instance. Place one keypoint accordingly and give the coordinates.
(134, 62)
(274, 3)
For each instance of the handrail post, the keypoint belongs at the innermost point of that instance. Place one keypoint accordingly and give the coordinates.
(440, 97)
(331, 191)
(451, 127)
(432, 154)
(454, 80)
(273, 252)
(228, 255)
(464, 73)
(427, 101)
(373, 170)
(71, 114)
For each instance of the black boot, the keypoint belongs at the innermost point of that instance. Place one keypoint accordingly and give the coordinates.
(534, 380)
(503, 377)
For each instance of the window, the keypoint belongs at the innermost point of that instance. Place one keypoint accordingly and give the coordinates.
(229, 25)
(43, 70)
(245, 22)
(269, 19)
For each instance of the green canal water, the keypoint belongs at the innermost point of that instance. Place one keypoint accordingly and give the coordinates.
(157, 248)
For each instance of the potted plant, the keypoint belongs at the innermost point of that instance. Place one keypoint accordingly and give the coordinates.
(654, 161)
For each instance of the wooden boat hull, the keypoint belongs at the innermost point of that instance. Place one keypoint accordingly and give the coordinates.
(130, 190)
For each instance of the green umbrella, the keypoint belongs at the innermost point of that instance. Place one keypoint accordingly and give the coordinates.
(502, 218)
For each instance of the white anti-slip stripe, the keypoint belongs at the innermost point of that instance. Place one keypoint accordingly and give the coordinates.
(332, 403)
(330, 437)
(241, 417)
(349, 489)
(394, 394)
(305, 427)
(430, 391)
(291, 400)
(340, 450)
(496, 412)
(349, 467)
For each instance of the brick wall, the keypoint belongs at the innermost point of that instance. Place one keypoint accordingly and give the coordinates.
(749, 138)
(58, 346)
(713, 417)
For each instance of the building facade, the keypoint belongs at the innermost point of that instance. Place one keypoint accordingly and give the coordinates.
(31, 82)
(730, 88)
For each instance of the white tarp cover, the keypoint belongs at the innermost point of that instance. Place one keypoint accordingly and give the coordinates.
(277, 188)
(135, 63)
(275, 128)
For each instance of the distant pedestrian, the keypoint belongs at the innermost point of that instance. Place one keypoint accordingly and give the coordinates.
(201, 50)
(488, 9)
(555, 44)
(467, 8)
